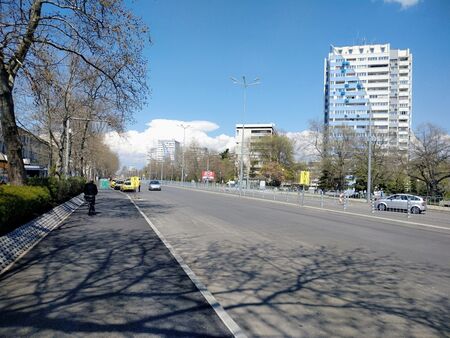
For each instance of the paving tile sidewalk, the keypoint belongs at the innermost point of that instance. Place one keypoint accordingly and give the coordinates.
(103, 275)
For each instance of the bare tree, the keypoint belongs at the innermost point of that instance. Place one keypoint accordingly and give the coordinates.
(336, 148)
(101, 161)
(430, 157)
(103, 34)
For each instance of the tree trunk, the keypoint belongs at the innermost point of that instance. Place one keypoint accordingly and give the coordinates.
(16, 169)
(83, 143)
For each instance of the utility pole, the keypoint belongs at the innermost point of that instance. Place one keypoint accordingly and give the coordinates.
(66, 164)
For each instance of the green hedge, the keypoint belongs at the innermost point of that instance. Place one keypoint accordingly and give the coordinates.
(19, 205)
(61, 190)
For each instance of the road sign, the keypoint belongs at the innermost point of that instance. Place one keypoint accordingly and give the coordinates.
(304, 177)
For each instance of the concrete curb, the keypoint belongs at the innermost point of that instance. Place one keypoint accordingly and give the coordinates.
(17, 243)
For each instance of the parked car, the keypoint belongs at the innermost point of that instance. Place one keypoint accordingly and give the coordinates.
(154, 185)
(112, 184)
(128, 185)
(118, 184)
(444, 203)
(415, 204)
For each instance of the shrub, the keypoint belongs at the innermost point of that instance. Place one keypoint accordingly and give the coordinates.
(18, 205)
(61, 190)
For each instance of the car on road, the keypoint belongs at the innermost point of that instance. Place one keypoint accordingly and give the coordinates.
(128, 185)
(118, 184)
(154, 185)
(112, 184)
(402, 202)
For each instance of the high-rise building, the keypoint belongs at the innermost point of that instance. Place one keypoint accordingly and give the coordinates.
(166, 149)
(370, 83)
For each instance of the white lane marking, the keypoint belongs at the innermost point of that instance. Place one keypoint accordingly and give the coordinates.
(323, 209)
(220, 311)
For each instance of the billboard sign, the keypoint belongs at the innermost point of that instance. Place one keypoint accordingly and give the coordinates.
(208, 175)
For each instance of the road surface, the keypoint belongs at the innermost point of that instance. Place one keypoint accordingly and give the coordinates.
(283, 270)
(103, 276)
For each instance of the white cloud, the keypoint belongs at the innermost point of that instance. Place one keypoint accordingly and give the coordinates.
(404, 3)
(133, 146)
(305, 150)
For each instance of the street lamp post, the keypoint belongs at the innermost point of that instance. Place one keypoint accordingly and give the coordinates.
(184, 126)
(369, 161)
(244, 85)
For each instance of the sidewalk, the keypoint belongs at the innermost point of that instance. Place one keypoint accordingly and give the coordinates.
(103, 276)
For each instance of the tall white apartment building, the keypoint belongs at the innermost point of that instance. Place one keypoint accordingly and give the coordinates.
(370, 83)
(251, 133)
(166, 149)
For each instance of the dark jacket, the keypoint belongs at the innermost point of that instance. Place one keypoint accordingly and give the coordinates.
(90, 189)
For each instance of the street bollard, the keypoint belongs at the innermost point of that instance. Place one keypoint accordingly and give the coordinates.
(321, 199)
(372, 202)
(303, 197)
(273, 194)
(287, 196)
(345, 201)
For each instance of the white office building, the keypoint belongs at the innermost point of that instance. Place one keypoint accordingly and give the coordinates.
(251, 133)
(370, 83)
(166, 149)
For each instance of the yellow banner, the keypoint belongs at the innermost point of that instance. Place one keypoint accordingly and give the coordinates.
(304, 177)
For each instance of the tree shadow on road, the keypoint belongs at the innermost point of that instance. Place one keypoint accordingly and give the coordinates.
(320, 291)
(101, 276)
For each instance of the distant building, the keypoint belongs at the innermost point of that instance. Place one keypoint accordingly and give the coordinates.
(252, 132)
(370, 82)
(35, 154)
(167, 149)
(152, 153)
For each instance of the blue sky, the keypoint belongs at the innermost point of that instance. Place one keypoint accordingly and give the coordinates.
(199, 44)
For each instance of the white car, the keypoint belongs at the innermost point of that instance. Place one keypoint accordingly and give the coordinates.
(402, 202)
(154, 185)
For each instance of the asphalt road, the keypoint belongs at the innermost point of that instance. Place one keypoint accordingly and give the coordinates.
(103, 276)
(283, 270)
(436, 218)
